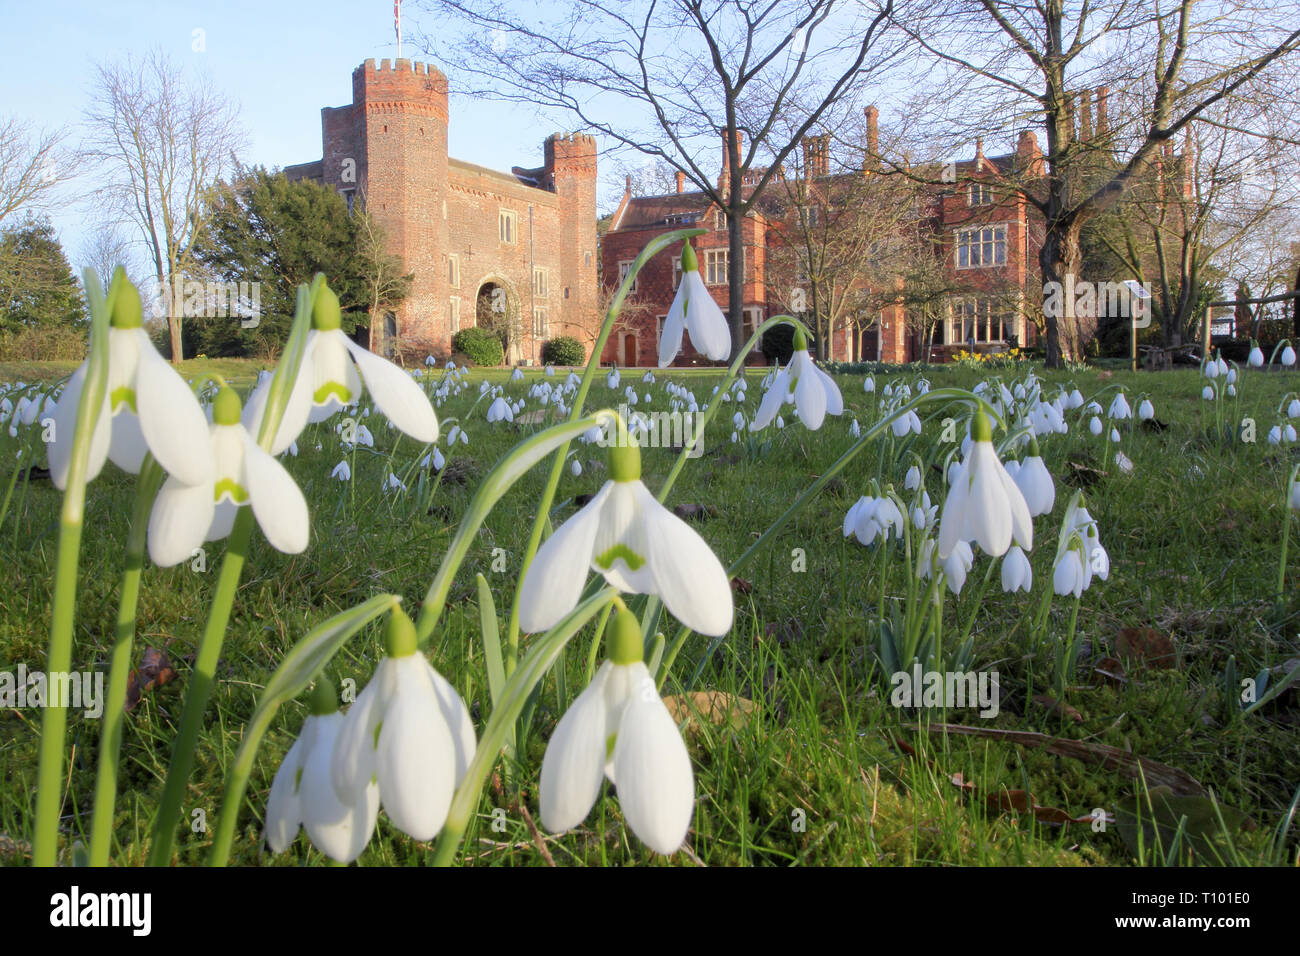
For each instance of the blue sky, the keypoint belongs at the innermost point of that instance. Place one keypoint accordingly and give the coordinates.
(280, 60)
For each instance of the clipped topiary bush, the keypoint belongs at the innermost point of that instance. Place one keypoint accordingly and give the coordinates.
(563, 350)
(479, 346)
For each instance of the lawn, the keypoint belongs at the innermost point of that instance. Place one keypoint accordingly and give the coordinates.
(802, 757)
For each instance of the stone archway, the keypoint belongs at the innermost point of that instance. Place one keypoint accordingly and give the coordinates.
(496, 308)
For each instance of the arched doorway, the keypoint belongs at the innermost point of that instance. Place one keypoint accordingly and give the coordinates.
(390, 334)
(629, 350)
(496, 310)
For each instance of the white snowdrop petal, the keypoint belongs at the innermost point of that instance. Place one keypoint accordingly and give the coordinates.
(416, 757)
(353, 762)
(127, 446)
(179, 521)
(396, 394)
(574, 764)
(278, 503)
(171, 419)
(555, 578)
(456, 714)
(688, 576)
(656, 787)
(283, 809)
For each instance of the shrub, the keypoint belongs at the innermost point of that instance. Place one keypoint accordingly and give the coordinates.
(563, 350)
(479, 346)
(43, 344)
(778, 344)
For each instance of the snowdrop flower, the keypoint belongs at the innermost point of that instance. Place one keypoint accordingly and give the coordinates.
(184, 516)
(499, 410)
(1094, 425)
(738, 420)
(430, 361)
(363, 437)
(924, 512)
(293, 449)
(147, 406)
(332, 374)
(575, 468)
(303, 796)
(870, 517)
(549, 372)
(955, 567)
(612, 379)
(1293, 409)
(1211, 369)
(393, 483)
(1207, 393)
(694, 310)
(1069, 576)
(911, 422)
(1114, 435)
(1011, 465)
(855, 429)
(869, 385)
(1017, 574)
(408, 731)
(735, 437)
(620, 728)
(1076, 399)
(1145, 410)
(457, 434)
(1256, 358)
(342, 471)
(517, 375)
(1119, 408)
(984, 505)
(815, 393)
(1275, 435)
(780, 422)
(638, 545)
(1035, 483)
(913, 479)
(1123, 463)
(1093, 408)
(648, 378)
(1294, 497)
(1230, 374)
(1288, 356)
(1288, 432)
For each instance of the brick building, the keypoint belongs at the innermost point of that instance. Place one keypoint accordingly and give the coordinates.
(985, 236)
(516, 251)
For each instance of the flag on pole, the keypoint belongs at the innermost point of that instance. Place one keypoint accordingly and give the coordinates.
(397, 24)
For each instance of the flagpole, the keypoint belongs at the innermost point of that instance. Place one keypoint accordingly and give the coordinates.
(397, 18)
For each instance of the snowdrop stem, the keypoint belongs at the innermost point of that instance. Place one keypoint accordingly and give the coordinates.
(202, 679)
(979, 600)
(54, 719)
(593, 654)
(579, 400)
(519, 687)
(1066, 667)
(110, 729)
(1286, 531)
(508, 470)
(711, 409)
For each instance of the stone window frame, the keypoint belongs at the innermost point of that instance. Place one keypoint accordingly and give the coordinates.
(507, 226)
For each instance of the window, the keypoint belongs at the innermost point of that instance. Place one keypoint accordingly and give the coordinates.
(453, 271)
(623, 268)
(979, 194)
(981, 248)
(715, 266)
(539, 282)
(720, 220)
(506, 225)
(539, 323)
(809, 215)
(350, 195)
(587, 259)
(677, 271)
(681, 219)
(453, 314)
(980, 319)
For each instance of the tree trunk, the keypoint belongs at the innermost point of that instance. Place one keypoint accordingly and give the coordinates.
(1060, 259)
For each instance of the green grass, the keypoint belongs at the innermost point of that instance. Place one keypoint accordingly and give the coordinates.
(821, 771)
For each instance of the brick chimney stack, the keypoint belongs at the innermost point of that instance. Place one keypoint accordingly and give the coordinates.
(1103, 92)
(816, 155)
(1085, 116)
(681, 182)
(725, 179)
(872, 159)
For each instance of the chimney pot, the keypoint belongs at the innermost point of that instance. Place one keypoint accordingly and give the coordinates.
(681, 181)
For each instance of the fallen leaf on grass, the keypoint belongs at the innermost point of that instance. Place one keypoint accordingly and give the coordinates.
(1147, 645)
(1109, 671)
(1111, 758)
(1017, 801)
(1051, 704)
(155, 670)
(715, 706)
(741, 586)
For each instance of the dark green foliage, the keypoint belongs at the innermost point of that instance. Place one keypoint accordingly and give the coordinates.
(778, 343)
(563, 350)
(479, 346)
(37, 286)
(266, 229)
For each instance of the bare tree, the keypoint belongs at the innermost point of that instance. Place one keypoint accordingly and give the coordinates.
(162, 140)
(1007, 63)
(105, 249)
(32, 165)
(387, 280)
(666, 78)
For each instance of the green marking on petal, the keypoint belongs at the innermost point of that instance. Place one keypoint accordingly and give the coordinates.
(297, 779)
(378, 727)
(120, 395)
(332, 388)
(609, 745)
(227, 485)
(633, 560)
